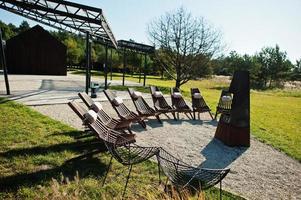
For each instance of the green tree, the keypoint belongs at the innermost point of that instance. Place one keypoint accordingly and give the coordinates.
(7, 30)
(24, 26)
(185, 45)
(296, 72)
(275, 67)
(73, 52)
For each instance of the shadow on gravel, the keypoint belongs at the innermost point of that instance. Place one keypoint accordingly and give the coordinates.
(219, 155)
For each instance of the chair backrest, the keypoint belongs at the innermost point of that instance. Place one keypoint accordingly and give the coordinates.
(86, 99)
(121, 109)
(194, 90)
(177, 102)
(153, 89)
(182, 174)
(98, 127)
(174, 168)
(139, 102)
(221, 103)
(197, 102)
(89, 102)
(78, 109)
(159, 102)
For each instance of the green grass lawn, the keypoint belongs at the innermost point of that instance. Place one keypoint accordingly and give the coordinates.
(275, 114)
(35, 153)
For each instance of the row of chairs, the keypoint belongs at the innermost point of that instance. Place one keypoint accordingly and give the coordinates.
(199, 104)
(122, 147)
(179, 105)
(160, 106)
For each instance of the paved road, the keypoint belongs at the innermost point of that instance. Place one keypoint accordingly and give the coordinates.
(45, 90)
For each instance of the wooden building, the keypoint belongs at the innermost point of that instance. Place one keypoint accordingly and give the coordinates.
(36, 52)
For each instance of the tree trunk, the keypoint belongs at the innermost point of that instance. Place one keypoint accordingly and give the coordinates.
(178, 83)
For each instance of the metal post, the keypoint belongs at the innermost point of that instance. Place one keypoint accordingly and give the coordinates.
(145, 63)
(90, 63)
(220, 190)
(105, 68)
(111, 63)
(87, 62)
(3, 63)
(140, 66)
(124, 66)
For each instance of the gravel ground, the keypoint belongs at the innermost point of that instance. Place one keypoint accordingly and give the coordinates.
(258, 172)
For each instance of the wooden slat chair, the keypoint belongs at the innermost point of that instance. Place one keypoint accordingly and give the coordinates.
(143, 109)
(121, 146)
(183, 175)
(160, 102)
(122, 110)
(104, 117)
(224, 106)
(80, 112)
(198, 103)
(178, 103)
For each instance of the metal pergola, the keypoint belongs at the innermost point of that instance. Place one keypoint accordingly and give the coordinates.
(139, 48)
(65, 16)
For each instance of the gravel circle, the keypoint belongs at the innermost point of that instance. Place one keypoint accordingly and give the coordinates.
(258, 172)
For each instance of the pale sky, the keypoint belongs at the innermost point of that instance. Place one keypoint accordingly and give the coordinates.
(246, 25)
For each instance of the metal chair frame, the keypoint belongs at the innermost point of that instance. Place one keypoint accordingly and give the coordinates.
(183, 176)
(120, 146)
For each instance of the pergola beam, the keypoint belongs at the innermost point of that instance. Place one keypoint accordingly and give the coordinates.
(139, 48)
(64, 15)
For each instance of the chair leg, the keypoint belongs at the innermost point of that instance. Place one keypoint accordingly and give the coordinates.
(166, 115)
(142, 123)
(179, 193)
(187, 115)
(210, 115)
(127, 180)
(220, 190)
(193, 115)
(159, 172)
(165, 185)
(158, 118)
(104, 179)
(178, 115)
(130, 131)
(174, 116)
(215, 115)
(199, 115)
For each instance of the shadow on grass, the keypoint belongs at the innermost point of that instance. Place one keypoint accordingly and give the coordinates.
(85, 167)
(78, 146)
(75, 134)
(85, 164)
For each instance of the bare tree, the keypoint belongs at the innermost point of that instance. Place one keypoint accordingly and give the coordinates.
(184, 44)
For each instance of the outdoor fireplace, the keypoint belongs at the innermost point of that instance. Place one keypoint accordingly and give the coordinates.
(234, 127)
